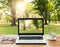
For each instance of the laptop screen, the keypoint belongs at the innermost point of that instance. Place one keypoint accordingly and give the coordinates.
(30, 26)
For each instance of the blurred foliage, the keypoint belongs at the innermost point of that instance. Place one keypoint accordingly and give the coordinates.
(8, 18)
(49, 9)
(37, 23)
(40, 5)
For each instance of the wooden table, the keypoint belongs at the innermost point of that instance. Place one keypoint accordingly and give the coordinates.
(49, 44)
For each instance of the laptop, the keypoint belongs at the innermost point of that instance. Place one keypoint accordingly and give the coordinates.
(31, 30)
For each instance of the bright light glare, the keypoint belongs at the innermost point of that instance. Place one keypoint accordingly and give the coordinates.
(0, 4)
(27, 0)
(27, 22)
(21, 6)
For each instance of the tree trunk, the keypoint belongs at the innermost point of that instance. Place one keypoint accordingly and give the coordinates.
(49, 18)
(12, 6)
(13, 22)
(46, 14)
(24, 28)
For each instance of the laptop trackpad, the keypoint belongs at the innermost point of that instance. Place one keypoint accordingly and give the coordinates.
(30, 38)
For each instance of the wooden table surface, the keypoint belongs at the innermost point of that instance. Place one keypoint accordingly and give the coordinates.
(49, 44)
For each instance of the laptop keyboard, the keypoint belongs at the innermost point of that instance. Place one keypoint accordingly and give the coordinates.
(30, 38)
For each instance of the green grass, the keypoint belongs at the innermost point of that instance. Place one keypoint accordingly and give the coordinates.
(7, 29)
(30, 31)
(52, 29)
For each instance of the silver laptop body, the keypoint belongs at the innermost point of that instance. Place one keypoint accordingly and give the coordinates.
(29, 38)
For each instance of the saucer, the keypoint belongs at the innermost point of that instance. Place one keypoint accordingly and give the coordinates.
(52, 39)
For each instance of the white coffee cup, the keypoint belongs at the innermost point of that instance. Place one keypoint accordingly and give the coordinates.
(52, 36)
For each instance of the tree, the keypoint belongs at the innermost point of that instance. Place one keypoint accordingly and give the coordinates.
(35, 22)
(45, 7)
(3, 5)
(12, 4)
(41, 6)
(51, 8)
(29, 8)
(58, 9)
(58, 13)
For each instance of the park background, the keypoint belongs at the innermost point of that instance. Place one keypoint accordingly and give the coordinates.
(11, 10)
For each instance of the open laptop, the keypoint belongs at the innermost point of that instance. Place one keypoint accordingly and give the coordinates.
(31, 30)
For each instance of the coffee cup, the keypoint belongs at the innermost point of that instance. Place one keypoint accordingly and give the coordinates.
(52, 36)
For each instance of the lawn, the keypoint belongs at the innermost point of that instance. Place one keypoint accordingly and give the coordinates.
(7, 29)
(52, 29)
